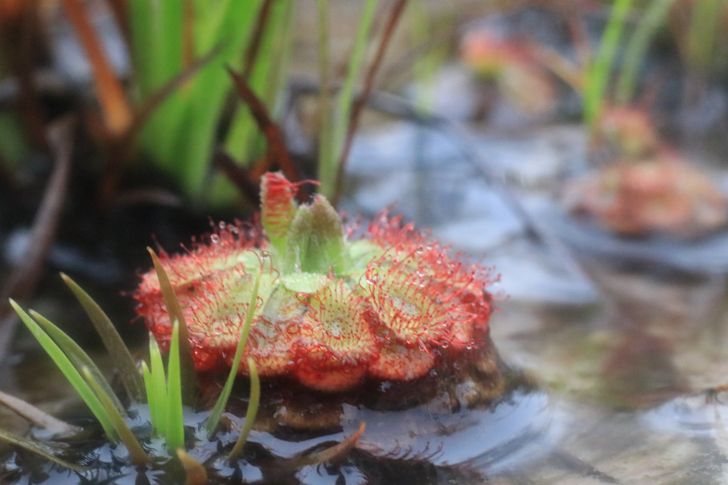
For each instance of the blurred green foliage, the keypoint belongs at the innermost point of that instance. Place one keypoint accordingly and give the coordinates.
(181, 135)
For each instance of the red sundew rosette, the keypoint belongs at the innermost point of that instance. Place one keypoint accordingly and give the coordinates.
(330, 313)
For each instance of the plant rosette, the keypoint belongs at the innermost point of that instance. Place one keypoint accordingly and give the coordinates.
(337, 305)
(664, 195)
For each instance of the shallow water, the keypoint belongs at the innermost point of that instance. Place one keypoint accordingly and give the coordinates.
(624, 346)
(625, 342)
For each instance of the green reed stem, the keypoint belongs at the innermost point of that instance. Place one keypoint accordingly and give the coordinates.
(634, 54)
(598, 73)
(138, 455)
(70, 372)
(119, 352)
(326, 160)
(251, 412)
(214, 419)
(175, 414)
(189, 377)
(704, 21)
(76, 355)
(345, 97)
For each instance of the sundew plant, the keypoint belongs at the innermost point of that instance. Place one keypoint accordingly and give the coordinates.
(300, 295)
(336, 303)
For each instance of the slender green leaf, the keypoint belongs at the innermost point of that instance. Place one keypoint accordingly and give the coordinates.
(138, 456)
(705, 23)
(174, 310)
(326, 156)
(75, 354)
(598, 73)
(175, 417)
(69, 371)
(148, 387)
(243, 135)
(345, 99)
(250, 414)
(158, 398)
(119, 352)
(24, 443)
(214, 419)
(634, 54)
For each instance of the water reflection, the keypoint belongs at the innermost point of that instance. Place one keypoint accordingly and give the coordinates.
(624, 357)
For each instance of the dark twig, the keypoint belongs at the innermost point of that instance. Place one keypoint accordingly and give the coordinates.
(239, 176)
(152, 102)
(38, 417)
(277, 149)
(251, 53)
(23, 280)
(334, 453)
(394, 15)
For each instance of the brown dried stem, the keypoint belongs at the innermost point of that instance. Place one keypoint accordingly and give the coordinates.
(116, 110)
(251, 53)
(38, 417)
(23, 280)
(240, 176)
(395, 14)
(277, 149)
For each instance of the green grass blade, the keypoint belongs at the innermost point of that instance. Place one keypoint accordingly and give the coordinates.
(68, 370)
(175, 418)
(634, 54)
(138, 456)
(148, 387)
(598, 73)
(243, 136)
(75, 354)
(326, 160)
(24, 443)
(214, 419)
(119, 352)
(158, 399)
(704, 24)
(174, 310)
(251, 412)
(340, 126)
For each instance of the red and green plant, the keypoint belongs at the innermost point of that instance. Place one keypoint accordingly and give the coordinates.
(336, 303)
